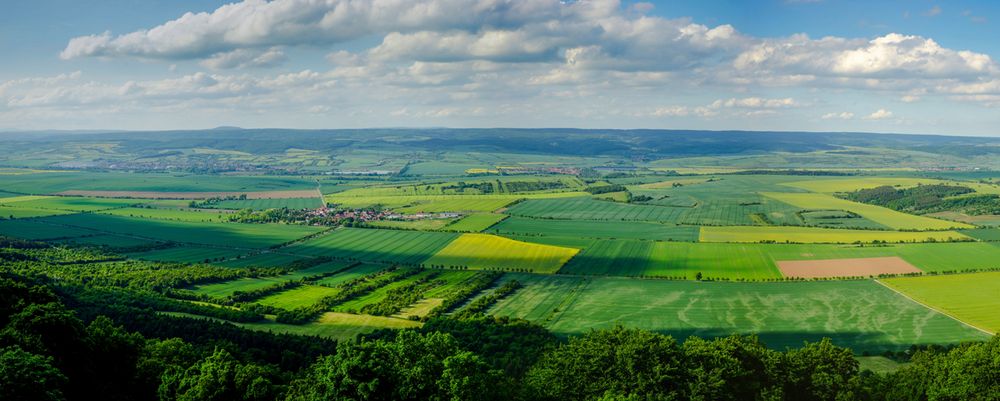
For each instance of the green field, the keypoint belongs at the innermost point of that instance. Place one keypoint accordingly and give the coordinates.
(881, 215)
(36, 230)
(859, 314)
(984, 234)
(11, 212)
(69, 203)
(971, 298)
(169, 214)
(265, 259)
(350, 274)
(231, 235)
(821, 235)
(188, 254)
(476, 222)
(596, 229)
(375, 245)
(263, 204)
(298, 297)
(673, 259)
(53, 182)
(591, 209)
(423, 224)
(227, 288)
(483, 251)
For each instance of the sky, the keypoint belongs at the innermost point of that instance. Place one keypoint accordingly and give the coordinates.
(915, 66)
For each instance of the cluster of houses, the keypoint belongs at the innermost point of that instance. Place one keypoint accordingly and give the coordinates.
(330, 215)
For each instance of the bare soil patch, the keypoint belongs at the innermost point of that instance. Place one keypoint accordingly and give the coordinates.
(854, 267)
(305, 193)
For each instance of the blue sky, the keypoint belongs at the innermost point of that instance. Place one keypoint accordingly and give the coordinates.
(821, 65)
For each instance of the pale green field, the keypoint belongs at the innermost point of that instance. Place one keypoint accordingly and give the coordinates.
(972, 298)
(816, 235)
(484, 251)
(298, 297)
(881, 215)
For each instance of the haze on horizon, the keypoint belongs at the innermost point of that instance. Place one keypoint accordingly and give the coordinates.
(791, 65)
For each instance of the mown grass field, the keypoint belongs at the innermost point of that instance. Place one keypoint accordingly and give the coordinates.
(232, 235)
(881, 215)
(971, 298)
(476, 222)
(375, 245)
(859, 314)
(596, 229)
(821, 235)
(484, 251)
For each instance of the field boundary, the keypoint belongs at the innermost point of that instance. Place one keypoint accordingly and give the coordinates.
(932, 308)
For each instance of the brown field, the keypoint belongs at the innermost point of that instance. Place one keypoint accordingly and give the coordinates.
(859, 267)
(305, 193)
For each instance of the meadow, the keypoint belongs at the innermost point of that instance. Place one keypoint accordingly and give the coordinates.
(969, 297)
(190, 215)
(859, 314)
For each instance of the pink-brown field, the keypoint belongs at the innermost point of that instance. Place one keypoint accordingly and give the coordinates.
(855, 267)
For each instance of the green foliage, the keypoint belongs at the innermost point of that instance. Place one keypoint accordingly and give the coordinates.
(410, 366)
(29, 377)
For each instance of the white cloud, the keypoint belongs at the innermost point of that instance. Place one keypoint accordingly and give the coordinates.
(242, 58)
(880, 114)
(933, 12)
(845, 115)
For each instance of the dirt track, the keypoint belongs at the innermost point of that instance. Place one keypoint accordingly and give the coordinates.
(845, 267)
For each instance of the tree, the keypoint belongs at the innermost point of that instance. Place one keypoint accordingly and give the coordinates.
(620, 361)
(732, 368)
(219, 377)
(820, 371)
(25, 376)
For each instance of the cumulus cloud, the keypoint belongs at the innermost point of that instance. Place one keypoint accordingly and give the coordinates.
(846, 115)
(880, 114)
(893, 55)
(242, 58)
